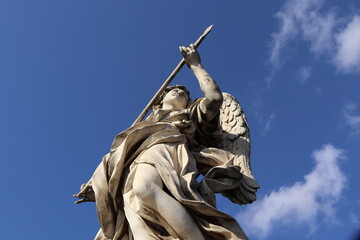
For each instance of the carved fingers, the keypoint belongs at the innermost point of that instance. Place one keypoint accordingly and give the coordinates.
(190, 55)
(86, 194)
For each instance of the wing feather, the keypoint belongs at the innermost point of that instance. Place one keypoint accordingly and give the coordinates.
(236, 139)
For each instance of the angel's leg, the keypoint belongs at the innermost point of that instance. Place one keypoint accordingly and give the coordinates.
(148, 187)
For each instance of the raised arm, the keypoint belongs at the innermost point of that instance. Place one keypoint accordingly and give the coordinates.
(211, 104)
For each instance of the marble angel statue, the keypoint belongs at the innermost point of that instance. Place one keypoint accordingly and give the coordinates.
(146, 187)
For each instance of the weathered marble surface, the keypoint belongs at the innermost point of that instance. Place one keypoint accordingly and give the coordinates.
(146, 187)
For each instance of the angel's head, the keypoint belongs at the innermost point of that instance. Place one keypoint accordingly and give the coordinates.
(174, 97)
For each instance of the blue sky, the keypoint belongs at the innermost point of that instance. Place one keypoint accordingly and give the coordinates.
(73, 74)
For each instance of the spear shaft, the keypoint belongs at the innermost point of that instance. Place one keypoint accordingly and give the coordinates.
(169, 79)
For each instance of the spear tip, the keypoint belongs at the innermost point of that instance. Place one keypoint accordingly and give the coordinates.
(208, 29)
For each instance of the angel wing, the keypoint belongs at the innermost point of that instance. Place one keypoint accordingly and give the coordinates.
(236, 139)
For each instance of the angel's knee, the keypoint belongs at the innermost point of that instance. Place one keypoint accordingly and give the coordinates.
(147, 183)
(145, 192)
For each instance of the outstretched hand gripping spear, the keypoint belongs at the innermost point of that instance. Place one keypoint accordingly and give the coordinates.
(169, 79)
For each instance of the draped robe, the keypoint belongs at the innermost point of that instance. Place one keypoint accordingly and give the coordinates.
(178, 145)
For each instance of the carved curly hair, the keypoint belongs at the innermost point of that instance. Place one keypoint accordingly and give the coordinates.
(158, 103)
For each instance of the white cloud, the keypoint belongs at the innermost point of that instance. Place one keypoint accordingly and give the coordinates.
(268, 123)
(310, 21)
(319, 91)
(265, 120)
(352, 120)
(303, 202)
(304, 73)
(301, 17)
(347, 58)
(355, 220)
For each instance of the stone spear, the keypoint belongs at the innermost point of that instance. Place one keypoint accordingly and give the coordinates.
(169, 79)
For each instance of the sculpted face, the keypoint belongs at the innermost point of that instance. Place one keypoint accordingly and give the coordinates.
(175, 99)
